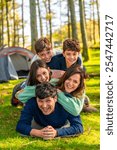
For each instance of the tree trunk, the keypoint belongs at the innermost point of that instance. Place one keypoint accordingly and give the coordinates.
(85, 14)
(2, 24)
(40, 19)
(45, 4)
(90, 35)
(14, 33)
(33, 23)
(50, 20)
(69, 23)
(7, 20)
(23, 38)
(73, 19)
(97, 5)
(94, 39)
(83, 31)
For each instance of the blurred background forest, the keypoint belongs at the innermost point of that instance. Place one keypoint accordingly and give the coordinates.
(23, 22)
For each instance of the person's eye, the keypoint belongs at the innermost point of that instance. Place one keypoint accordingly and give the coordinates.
(68, 54)
(40, 102)
(38, 76)
(48, 101)
(44, 73)
(76, 82)
(68, 79)
(48, 52)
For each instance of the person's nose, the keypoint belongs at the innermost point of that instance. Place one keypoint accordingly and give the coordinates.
(44, 105)
(70, 83)
(46, 56)
(71, 56)
(43, 78)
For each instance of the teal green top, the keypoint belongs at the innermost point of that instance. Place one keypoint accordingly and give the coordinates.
(70, 103)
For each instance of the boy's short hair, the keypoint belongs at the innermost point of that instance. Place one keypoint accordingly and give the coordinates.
(71, 44)
(42, 44)
(45, 90)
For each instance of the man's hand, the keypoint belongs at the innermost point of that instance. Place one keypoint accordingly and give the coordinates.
(46, 133)
(49, 133)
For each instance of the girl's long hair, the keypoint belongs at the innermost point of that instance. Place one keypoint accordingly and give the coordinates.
(33, 70)
(74, 69)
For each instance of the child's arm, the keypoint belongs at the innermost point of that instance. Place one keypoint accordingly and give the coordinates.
(71, 104)
(27, 93)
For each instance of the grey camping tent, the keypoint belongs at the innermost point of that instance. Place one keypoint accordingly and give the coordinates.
(14, 63)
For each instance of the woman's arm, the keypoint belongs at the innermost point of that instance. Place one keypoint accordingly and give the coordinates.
(71, 104)
(27, 93)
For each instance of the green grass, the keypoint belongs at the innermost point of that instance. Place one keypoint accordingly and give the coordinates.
(89, 140)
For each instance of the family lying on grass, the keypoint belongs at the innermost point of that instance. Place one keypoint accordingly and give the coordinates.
(42, 116)
(45, 111)
(57, 63)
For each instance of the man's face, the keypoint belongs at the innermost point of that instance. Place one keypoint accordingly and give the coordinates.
(46, 55)
(47, 105)
(70, 57)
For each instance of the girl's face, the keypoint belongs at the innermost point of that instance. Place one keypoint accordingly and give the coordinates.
(43, 75)
(72, 83)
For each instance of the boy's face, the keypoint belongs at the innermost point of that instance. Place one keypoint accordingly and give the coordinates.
(46, 55)
(47, 105)
(70, 57)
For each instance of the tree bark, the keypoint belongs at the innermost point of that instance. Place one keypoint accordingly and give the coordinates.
(23, 39)
(40, 18)
(83, 31)
(73, 19)
(33, 24)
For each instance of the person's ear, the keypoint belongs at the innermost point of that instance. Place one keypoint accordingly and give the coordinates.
(64, 54)
(55, 98)
(37, 99)
(38, 54)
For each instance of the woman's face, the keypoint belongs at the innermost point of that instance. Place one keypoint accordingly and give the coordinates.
(43, 75)
(72, 83)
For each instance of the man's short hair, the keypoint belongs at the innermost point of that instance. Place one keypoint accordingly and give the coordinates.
(42, 44)
(45, 90)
